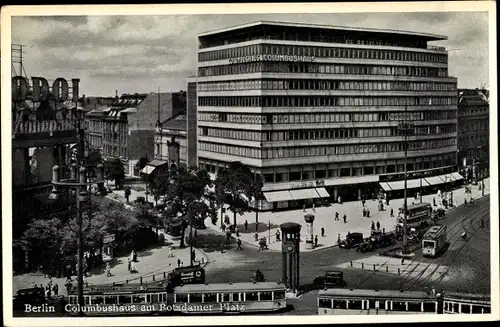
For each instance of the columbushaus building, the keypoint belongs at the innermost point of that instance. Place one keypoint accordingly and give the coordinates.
(315, 110)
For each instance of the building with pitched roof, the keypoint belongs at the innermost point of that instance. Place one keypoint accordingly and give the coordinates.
(126, 128)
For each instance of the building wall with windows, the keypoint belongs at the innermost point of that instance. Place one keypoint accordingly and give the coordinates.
(473, 133)
(126, 128)
(192, 122)
(306, 105)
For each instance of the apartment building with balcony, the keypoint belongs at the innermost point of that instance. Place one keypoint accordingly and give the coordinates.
(315, 109)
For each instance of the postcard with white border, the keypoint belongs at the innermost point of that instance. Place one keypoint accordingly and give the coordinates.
(218, 164)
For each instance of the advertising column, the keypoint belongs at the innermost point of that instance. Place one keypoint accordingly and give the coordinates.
(309, 231)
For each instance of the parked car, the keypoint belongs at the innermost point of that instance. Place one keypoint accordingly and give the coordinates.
(351, 240)
(331, 279)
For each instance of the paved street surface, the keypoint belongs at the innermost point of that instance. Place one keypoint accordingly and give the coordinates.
(465, 266)
(325, 218)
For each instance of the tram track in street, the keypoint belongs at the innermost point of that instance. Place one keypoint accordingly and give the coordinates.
(406, 278)
(457, 228)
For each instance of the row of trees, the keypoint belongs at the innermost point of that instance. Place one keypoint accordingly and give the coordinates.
(51, 242)
(191, 199)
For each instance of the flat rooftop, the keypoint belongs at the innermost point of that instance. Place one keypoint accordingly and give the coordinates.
(426, 36)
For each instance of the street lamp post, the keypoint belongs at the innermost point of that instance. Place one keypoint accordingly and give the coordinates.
(405, 128)
(83, 195)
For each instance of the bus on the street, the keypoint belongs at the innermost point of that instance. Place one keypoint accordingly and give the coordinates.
(417, 215)
(434, 241)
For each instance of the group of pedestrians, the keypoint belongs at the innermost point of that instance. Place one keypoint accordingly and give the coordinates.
(50, 289)
(337, 217)
(373, 226)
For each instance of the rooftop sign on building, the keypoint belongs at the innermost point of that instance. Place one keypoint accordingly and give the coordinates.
(271, 57)
(39, 90)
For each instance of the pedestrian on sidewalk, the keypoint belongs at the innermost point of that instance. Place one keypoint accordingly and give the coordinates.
(367, 213)
(392, 212)
(387, 200)
(373, 226)
(221, 248)
(363, 202)
(322, 232)
(129, 265)
(237, 231)
(402, 260)
(336, 215)
(314, 207)
(178, 262)
(108, 269)
(277, 236)
(364, 212)
(316, 241)
(170, 254)
(338, 240)
(223, 227)
(339, 200)
(345, 219)
(55, 289)
(132, 267)
(434, 201)
(239, 245)
(256, 236)
(304, 208)
(378, 225)
(246, 225)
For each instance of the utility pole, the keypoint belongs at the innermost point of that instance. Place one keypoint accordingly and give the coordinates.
(405, 128)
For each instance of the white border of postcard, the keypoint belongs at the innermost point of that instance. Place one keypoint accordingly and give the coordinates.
(261, 8)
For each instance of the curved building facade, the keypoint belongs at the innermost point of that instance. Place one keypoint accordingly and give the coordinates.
(315, 110)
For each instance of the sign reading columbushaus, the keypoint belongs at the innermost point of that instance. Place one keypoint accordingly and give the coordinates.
(270, 57)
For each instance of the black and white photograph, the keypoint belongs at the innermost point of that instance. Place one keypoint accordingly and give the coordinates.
(169, 164)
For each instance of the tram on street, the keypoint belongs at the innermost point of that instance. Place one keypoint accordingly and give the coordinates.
(417, 215)
(358, 301)
(230, 298)
(339, 301)
(456, 303)
(434, 241)
(118, 300)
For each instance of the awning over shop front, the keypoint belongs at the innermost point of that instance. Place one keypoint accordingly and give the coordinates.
(148, 169)
(434, 180)
(278, 196)
(416, 183)
(410, 183)
(385, 186)
(322, 192)
(307, 193)
(457, 176)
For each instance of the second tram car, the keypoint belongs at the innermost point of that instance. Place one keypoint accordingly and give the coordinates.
(230, 298)
(373, 302)
(456, 303)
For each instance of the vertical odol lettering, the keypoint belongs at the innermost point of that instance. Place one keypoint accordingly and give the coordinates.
(60, 89)
(20, 88)
(40, 89)
(76, 88)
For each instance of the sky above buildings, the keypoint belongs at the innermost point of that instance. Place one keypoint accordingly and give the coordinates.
(141, 53)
